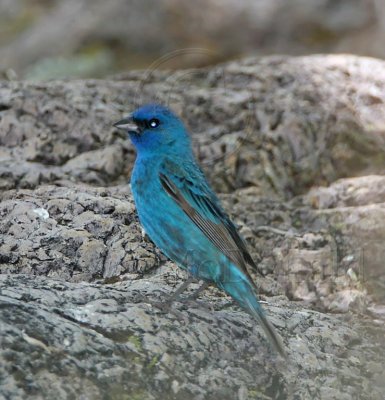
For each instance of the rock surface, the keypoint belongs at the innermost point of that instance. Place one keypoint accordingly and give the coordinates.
(295, 146)
(279, 124)
(86, 341)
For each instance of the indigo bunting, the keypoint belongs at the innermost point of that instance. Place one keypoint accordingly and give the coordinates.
(181, 213)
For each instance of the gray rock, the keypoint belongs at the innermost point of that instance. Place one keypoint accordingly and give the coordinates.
(87, 341)
(279, 124)
(72, 233)
(294, 145)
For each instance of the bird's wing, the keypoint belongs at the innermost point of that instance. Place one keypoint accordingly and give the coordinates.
(187, 185)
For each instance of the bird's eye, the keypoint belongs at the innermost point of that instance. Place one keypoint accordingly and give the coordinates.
(154, 123)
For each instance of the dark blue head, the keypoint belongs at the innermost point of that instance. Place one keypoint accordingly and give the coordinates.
(154, 129)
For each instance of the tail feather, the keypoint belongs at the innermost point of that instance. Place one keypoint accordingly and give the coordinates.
(268, 328)
(243, 292)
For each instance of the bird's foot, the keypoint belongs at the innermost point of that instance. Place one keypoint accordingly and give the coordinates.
(194, 303)
(164, 306)
(167, 308)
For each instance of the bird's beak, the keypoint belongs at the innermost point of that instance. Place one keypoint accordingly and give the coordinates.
(128, 125)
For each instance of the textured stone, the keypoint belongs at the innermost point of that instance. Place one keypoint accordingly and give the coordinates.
(93, 341)
(279, 124)
(295, 146)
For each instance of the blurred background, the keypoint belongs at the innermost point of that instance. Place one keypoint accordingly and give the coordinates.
(48, 39)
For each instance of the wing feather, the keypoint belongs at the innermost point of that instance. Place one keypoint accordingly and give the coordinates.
(202, 207)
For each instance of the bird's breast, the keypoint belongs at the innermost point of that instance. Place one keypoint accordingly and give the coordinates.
(169, 227)
(148, 193)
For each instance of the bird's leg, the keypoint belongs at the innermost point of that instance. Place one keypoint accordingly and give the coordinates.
(165, 305)
(190, 300)
(176, 295)
(193, 298)
(182, 288)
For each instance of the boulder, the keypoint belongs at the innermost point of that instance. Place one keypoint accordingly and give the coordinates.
(295, 149)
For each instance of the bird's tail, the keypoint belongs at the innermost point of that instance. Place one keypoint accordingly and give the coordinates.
(243, 291)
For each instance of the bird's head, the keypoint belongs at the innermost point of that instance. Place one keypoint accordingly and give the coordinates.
(154, 128)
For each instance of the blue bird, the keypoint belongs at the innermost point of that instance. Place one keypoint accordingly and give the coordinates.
(181, 213)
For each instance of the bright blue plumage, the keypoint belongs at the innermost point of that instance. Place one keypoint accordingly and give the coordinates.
(182, 215)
